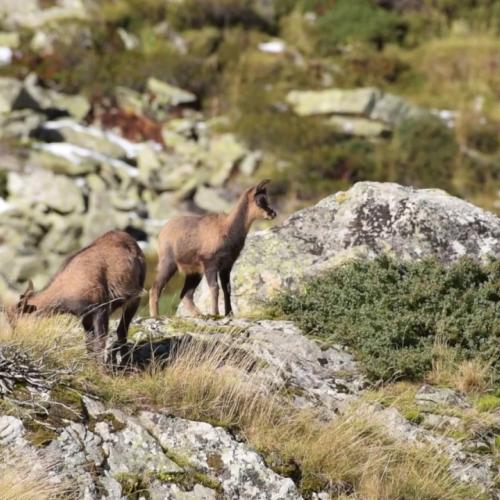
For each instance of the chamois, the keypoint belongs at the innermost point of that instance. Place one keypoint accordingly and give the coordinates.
(91, 284)
(208, 244)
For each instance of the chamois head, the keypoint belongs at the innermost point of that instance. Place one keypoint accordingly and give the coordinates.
(22, 306)
(259, 201)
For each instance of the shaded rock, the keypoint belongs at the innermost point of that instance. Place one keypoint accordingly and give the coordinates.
(19, 124)
(45, 189)
(393, 109)
(241, 472)
(440, 396)
(368, 220)
(36, 98)
(314, 102)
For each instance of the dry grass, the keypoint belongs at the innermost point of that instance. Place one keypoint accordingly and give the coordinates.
(472, 377)
(352, 454)
(22, 480)
(57, 340)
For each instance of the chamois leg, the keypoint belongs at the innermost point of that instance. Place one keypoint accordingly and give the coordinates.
(187, 294)
(166, 270)
(128, 312)
(88, 326)
(100, 321)
(225, 281)
(213, 284)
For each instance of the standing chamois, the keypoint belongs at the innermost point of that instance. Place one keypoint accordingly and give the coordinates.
(91, 284)
(209, 245)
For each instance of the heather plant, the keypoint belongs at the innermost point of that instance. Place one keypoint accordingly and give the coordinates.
(391, 313)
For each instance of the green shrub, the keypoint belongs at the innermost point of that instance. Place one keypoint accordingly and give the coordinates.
(350, 21)
(391, 313)
(425, 152)
(484, 138)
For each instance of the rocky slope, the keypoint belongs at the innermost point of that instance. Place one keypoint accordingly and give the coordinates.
(111, 453)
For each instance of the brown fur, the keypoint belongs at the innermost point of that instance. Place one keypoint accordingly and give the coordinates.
(91, 284)
(209, 245)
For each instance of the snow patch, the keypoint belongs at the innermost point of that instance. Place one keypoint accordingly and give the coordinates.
(77, 154)
(6, 56)
(130, 148)
(273, 47)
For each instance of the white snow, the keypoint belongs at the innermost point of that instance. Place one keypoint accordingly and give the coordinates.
(76, 154)
(273, 47)
(6, 56)
(5, 206)
(131, 149)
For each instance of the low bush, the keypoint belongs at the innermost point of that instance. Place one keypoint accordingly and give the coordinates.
(349, 21)
(391, 313)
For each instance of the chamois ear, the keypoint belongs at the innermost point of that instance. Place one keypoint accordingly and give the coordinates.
(29, 290)
(22, 305)
(261, 187)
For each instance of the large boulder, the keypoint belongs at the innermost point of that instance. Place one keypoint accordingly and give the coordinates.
(368, 220)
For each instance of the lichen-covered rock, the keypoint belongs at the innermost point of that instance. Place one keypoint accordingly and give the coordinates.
(368, 220)
(241, 471)
(314, 377)
(439, 396)
(168, 95)
(45, 189)
(352, 102)
(32, 96)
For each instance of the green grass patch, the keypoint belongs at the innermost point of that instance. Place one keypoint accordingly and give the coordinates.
(391, 313)
(487, 402)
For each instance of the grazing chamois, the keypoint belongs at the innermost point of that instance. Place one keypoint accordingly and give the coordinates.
(91, 284)
(209, 245)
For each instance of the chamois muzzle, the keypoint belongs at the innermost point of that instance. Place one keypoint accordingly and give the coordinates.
(270, 214)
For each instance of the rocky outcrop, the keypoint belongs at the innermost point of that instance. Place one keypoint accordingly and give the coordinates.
(315, 377)
(168, 458)
(368, 220)
(366, 112)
